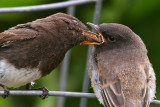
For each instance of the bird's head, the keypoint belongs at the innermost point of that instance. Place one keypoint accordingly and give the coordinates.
(75, 30)
(116, 36)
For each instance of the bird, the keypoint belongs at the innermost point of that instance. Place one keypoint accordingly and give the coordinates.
(120, 71)
(32, 50)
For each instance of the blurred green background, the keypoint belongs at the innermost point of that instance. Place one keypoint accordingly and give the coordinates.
(142, 16)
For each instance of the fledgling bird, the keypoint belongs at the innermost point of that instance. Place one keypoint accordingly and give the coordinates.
(120, 71)
(32, 50)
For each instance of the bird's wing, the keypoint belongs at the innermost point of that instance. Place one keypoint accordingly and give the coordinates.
(149, 87)
(18, 33)
(146, 101)
(112, 93)
(146, 90)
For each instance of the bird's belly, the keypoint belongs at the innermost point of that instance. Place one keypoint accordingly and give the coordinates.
(96, 84)
(13, 77)
(94, 75)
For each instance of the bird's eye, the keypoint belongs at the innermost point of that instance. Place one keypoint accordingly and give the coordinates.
(75, 21)
(111, 38)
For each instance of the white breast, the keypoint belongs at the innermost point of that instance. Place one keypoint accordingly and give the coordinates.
(13, 77)
(94, 75)
(152, 83)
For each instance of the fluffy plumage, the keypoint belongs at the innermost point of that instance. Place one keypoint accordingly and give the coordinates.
(120, 71)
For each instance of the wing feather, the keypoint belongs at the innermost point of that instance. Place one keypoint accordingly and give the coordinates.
(146, 97)
(17, 33)
(112, 93)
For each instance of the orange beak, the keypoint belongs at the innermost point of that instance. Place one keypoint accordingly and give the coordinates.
(92, 38)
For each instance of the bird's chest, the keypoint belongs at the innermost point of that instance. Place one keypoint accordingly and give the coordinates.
(94, 75)
(13, 77)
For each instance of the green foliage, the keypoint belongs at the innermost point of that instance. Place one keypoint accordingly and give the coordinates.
(142, 16)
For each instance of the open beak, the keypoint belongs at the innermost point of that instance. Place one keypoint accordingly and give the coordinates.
(92, 38)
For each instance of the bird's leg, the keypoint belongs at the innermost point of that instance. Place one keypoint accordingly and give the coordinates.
(43, 89)
(6, 91)
(29, 86)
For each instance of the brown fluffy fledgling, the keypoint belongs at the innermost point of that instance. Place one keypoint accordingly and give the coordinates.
(120, 71)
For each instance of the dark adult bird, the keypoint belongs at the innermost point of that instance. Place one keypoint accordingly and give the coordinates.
(120, 71)
(32, 50)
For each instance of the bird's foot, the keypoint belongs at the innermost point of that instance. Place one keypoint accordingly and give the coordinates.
(6, 91)
(45, 92)
(43, 89)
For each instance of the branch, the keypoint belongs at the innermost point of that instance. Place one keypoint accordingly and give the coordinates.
(60, 93)
(45, 6)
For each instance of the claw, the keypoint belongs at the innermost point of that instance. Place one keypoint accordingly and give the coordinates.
(6, 91)
(45, 93)
(43, 89)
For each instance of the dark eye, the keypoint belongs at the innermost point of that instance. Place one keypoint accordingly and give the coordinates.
(111, 38)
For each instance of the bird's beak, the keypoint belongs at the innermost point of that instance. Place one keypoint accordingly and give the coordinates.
(92, 38)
